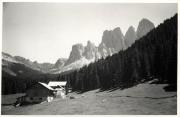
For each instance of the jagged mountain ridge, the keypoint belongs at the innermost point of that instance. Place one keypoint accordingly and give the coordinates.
(13, 67)
(154, 56)
(8, 59)
(112, 42)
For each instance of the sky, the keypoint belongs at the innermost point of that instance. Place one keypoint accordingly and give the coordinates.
(44, 32)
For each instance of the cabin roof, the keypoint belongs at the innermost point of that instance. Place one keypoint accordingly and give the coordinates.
(46, 86)
(57, 83)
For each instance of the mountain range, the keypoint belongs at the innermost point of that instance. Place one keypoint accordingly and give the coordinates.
(152, 56)
(112, 42)
(119, 61)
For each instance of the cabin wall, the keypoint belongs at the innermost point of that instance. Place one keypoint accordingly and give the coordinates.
(38, 93)
(60, 93)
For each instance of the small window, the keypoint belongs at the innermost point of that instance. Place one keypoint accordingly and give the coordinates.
(31, 98)
(40, 98)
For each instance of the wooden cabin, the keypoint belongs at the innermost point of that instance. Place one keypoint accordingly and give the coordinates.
(39, 92)
(59, 87)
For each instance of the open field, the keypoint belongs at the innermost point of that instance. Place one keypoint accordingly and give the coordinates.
(141, 99)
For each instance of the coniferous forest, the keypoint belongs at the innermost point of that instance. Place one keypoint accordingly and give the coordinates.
(153, 56)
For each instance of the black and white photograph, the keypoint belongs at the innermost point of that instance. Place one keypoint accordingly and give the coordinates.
(75, 58)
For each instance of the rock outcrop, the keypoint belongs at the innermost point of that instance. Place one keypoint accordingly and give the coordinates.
(60, 63)
(90, 51)
(144, 27)
(130, 36)
(76, 53)
(113, 39)
(112, 42)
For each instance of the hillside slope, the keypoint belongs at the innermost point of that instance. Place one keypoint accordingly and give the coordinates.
(152, 56)
(148, 99)
(17, 77)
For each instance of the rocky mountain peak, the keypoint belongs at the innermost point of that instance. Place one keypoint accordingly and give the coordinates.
(23, 60)
(20, 58)
(76, 53)
(130, 36)
(131, 28)
(144, 27)
(60, 63)
(89, 43)
(90, 51)
(103, 50)
(117, 29)
(112, 42)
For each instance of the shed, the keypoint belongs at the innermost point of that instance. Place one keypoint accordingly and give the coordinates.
(59, 87)
(39, 92)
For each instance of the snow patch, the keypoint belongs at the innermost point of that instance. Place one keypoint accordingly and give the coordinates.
(9, 59)
(76, 65)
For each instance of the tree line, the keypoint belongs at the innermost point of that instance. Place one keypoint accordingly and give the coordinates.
(152, 56)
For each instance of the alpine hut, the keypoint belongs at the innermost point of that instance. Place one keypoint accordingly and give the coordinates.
(39, 92)
(59, 87)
